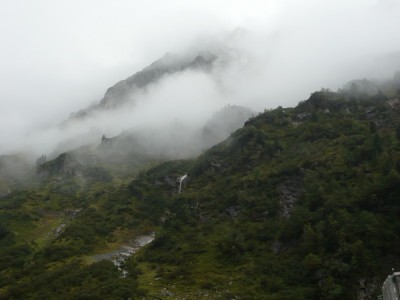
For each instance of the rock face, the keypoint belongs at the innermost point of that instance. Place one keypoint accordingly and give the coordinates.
(72, 213)
(58, 230)
(290, 191)
(124, 91)
(366, 289)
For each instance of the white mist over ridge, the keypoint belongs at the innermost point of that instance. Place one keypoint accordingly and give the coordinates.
(58, 58)
(185, 100)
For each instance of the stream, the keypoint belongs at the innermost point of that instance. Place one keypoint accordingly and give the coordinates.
(119, 256)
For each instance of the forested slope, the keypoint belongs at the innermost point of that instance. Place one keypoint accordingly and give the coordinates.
(301, 203)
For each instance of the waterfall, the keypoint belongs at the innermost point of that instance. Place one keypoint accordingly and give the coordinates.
(181, 179)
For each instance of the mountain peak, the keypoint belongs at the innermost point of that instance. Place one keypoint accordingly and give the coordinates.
(124, 91)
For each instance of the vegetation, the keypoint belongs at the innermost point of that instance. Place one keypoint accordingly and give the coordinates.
(301, 203)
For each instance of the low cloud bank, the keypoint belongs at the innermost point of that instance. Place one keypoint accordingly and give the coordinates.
(288, 50)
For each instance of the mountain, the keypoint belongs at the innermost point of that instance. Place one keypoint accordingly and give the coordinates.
(127, 90)
(299, 203)
(133, 99)
(128, 152)
(84, 146)
(178, 140)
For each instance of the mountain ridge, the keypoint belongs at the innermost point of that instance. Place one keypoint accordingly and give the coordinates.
(123, 91)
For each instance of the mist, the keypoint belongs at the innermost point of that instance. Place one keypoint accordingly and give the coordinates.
(59, 57)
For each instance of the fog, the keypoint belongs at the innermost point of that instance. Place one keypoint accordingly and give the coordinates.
(58, 57)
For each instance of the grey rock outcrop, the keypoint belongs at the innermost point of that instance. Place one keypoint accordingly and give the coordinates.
(366, 289)
(290, 191)
(58, 230)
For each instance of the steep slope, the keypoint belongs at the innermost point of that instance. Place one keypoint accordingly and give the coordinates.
(126, 90)
(132, 107)
(132, 150)
(177, 141)
(300, 203)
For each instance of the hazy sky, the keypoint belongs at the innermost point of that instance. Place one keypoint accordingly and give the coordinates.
(58, 56)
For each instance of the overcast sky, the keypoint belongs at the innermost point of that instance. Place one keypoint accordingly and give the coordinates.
(58, 56)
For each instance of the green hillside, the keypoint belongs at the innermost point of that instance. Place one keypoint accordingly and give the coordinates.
(301, 203)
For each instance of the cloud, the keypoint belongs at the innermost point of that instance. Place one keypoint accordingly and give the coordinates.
(59, 56)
